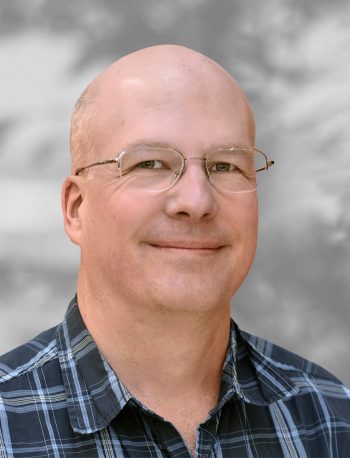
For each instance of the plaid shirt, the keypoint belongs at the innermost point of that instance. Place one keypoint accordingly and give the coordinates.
(60, 398)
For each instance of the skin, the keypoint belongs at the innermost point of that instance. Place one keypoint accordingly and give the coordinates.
(158, 270)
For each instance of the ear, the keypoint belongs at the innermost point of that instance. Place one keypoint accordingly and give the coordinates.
(72, 199)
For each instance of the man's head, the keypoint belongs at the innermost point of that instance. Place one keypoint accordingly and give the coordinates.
(187, 248)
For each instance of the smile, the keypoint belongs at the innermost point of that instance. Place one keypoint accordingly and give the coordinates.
(185, 247)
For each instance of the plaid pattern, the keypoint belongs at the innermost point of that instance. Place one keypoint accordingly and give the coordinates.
(59, 398)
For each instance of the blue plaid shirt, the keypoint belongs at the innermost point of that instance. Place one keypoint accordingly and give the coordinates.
(60, 398)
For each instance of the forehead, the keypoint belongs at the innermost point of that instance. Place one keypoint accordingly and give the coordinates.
(176, 101)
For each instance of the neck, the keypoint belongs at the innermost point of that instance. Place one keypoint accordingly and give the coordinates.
(159, 354)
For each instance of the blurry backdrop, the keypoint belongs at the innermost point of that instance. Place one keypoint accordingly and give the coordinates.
(292, 59)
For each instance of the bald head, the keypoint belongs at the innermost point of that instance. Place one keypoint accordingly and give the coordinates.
(164, 74)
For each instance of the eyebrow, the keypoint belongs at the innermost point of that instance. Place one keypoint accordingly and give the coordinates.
(169, 145)
(150, 143)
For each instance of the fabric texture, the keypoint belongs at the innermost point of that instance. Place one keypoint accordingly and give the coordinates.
(60, 398)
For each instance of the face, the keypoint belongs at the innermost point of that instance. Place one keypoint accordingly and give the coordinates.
(188, 248)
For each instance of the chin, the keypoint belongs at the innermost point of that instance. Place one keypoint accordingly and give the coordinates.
(193, 296)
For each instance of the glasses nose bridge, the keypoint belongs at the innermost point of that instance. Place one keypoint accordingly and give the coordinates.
(195, 157)
(203, 159)
(180, 173)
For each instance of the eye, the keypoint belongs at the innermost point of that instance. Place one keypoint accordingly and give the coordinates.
(222, 167)
(152, 164)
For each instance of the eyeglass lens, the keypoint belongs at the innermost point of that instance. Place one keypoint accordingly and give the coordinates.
(157, 169)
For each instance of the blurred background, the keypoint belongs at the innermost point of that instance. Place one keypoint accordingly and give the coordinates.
(292, 59)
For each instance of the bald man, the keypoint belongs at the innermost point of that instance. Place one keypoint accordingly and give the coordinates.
(162, 201)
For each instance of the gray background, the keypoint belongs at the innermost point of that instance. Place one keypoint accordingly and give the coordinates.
(292, 58)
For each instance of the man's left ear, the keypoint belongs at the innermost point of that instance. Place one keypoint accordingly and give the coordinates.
(72, 199)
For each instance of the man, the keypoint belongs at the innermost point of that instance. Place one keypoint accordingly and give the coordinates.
(162, 202)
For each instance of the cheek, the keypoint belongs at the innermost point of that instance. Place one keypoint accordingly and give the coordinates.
(118, 221)
(249, 223)
(244, 222)
(243, 212)
(250, 220)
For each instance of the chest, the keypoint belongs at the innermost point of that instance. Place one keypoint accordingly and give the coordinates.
(259, 431)
(186, 418)
(188, 431)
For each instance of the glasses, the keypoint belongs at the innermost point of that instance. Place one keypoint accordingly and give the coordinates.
(158, 168)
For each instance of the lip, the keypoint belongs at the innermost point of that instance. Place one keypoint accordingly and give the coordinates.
(195, 246)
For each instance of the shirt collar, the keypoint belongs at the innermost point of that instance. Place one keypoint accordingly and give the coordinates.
(95, 395)
(251, 374)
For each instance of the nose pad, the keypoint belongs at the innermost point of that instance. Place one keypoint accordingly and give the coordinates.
(194, 197)
(206, 170)
(176, 177)
(178, 174)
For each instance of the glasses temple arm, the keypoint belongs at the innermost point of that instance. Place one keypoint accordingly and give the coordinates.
(109, 161)
(268, 165)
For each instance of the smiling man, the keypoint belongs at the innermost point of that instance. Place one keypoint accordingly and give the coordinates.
(162, 201)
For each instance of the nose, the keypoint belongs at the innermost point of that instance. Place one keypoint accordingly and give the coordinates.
(192, 196)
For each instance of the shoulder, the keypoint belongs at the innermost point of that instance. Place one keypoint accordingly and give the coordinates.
(315, 413)
(285, 359)
(32, 393)
(30, 382)
(28, 357)
(306, 375)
